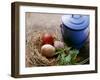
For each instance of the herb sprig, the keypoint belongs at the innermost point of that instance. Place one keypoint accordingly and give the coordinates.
(67, 55)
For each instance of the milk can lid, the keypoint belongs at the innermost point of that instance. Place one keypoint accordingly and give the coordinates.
(75, 21)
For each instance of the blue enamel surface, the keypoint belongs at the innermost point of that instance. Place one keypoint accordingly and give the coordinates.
(75, 28)
(76, 21)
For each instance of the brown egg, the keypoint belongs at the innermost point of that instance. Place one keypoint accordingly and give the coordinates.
(48, 50)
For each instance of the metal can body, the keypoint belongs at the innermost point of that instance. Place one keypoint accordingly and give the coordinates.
(75, 33)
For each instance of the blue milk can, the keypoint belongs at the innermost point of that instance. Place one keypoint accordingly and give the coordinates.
(75, 29)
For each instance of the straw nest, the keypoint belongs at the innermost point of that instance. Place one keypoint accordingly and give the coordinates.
(33, 53)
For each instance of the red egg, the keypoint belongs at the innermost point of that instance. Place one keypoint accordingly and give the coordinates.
(47, 39)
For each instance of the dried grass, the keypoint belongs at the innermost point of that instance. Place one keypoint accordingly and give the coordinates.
(33, 53)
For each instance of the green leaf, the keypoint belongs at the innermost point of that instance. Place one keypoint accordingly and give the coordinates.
(62, 58)
(68, 58)
(74, 53)
(66, 55)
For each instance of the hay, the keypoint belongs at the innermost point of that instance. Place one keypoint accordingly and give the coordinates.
(33, 53)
